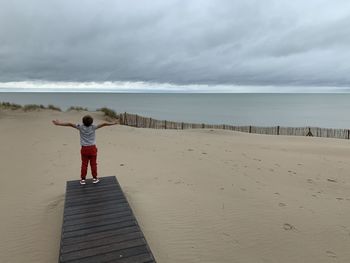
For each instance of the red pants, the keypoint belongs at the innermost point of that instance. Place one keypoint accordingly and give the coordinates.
(88, 153)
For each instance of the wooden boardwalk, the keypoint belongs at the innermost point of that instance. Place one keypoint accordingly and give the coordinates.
(99, 226)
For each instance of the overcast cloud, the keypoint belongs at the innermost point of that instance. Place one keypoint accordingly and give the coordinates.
(184, 42)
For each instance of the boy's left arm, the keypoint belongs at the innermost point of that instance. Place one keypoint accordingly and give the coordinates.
(106, 124)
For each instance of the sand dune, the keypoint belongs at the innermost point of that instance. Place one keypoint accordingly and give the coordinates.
(199, 195)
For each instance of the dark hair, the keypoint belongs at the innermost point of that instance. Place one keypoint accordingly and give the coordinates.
(88, 120)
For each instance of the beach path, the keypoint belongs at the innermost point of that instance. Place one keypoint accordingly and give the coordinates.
(99, 225)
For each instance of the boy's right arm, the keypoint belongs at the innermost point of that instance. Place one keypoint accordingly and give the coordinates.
(67, 124)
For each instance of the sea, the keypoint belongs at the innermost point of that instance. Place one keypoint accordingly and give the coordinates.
(324, 110)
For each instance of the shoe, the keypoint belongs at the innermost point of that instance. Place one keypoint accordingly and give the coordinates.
(95, 180)
(82, 182)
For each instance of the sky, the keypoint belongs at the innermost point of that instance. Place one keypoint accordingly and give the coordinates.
(175, 45)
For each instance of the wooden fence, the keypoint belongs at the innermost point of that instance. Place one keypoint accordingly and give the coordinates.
(135, 120)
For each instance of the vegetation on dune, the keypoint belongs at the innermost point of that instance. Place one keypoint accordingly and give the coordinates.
(109, 112)
(77, 108)
(33, 107)
(53, 107)
(11, 106)
(27, 107)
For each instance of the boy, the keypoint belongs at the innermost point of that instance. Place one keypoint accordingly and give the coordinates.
(88, 145)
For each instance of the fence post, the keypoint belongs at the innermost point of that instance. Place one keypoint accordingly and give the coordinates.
(165, 125)
(182, 125)
(137, 121)
(348, 134)
(278, 130)
(125, 119)
(250, 129)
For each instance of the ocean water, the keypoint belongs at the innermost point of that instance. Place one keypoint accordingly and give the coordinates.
(293, 110)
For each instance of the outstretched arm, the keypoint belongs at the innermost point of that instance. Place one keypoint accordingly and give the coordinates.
(67, 124)
(106, 124)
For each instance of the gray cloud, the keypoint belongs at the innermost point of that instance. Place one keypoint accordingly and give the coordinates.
(272, 42)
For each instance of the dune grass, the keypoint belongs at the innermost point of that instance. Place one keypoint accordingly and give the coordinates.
(33, 107)
(109, 112)
(77, 108)
(10, 106)
(27, 107)
(53, 107)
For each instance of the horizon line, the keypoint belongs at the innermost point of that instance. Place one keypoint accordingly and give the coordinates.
(154, 87)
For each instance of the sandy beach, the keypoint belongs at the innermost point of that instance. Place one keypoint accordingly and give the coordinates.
(198, 195)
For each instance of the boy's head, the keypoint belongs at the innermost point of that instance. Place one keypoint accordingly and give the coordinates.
(87, 120)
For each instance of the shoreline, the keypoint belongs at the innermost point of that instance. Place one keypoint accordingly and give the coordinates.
(136, 120)
(287, 110)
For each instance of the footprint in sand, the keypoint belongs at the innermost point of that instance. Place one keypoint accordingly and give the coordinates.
(56, 202)
(331, 254)
(310, 181)
(288, 227)
(282, 205)
(190, 150)
(332, 180)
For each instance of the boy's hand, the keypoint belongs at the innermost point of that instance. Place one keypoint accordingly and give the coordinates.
(56, 122)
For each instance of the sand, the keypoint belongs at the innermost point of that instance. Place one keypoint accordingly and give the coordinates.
(199, 195)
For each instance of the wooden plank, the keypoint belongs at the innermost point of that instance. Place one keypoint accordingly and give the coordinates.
(100, 250)
(118, 209)
(101, 242)
(101, 235)
(99, 226)
(97, 223)
(126, 255)
(70, 221)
